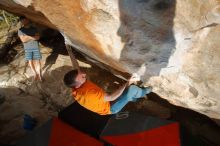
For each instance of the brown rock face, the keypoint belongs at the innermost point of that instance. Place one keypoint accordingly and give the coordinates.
(173, 44)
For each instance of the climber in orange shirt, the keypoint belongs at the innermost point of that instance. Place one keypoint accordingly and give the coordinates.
(94, 98)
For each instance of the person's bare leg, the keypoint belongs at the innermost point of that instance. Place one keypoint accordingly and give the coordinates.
(37, 64)
(31, 64)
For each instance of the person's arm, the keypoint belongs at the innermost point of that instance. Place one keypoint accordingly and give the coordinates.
(35, 37)
(26, 38)
(113, 96)
(73, 58)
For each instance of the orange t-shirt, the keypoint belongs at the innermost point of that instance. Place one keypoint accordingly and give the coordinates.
(91, 97)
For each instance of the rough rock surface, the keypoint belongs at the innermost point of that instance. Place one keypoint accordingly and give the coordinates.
(173, 44)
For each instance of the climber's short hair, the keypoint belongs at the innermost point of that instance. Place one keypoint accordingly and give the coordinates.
(70, 78)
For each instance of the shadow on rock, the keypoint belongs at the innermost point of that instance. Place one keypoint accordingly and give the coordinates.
(147, 31)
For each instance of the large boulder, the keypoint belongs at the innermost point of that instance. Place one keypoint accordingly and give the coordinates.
(172, 44)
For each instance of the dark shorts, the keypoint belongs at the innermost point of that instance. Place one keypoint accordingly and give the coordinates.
(33, 54)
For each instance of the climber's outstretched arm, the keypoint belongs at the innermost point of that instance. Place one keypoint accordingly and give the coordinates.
(73, 58)
(117, 93)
